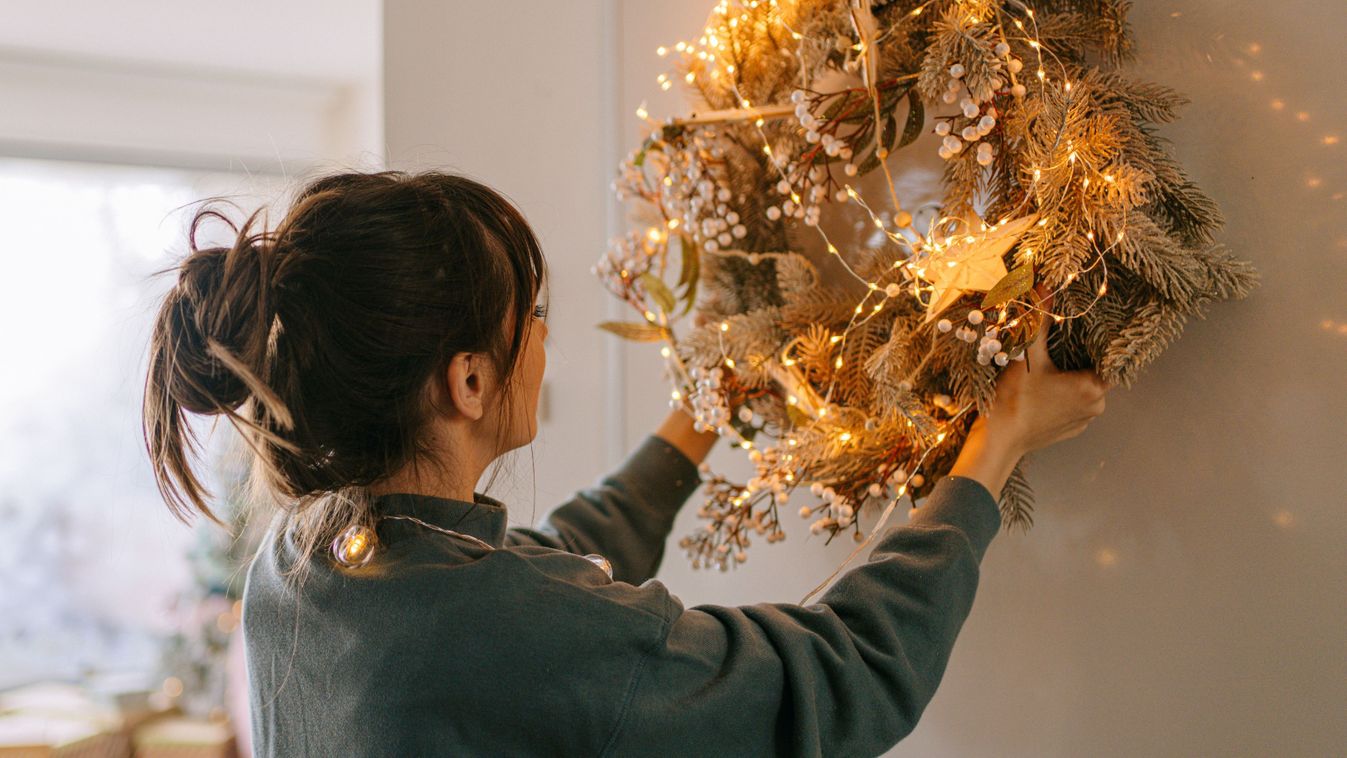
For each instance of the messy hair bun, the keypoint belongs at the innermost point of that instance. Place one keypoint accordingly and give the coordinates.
(318, 339)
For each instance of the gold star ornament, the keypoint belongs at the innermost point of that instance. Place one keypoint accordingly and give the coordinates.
(974, 263)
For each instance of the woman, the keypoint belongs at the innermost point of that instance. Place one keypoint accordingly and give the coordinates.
(381, 347)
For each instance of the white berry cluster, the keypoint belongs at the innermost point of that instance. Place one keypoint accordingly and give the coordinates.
(731, 516)
(626, 258)
(690, 187)
(839, 510)
(710, 408)
(812, 191)
(989, 346)
(978, 113)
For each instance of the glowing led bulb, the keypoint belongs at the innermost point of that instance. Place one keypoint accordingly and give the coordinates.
(354, 547)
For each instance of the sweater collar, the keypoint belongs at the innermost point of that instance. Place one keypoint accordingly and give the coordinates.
(484, 518)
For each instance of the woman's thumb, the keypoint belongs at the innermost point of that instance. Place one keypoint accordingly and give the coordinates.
(1037, 351)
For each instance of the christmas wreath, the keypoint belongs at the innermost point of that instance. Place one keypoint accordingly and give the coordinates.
(847, 334)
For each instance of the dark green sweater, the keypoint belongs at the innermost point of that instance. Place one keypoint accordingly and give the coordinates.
(442, 647)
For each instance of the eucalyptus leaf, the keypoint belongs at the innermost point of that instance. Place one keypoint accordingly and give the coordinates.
(838, 105)
(635, 331)
(890, 134)
(916, 119)
(683, 249)
(797, 417)
(692, 261)
(658, 290)
(1019, 281)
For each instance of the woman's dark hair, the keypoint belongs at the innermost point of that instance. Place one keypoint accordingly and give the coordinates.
(321, 339)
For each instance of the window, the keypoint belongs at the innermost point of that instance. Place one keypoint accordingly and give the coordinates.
(92, 560)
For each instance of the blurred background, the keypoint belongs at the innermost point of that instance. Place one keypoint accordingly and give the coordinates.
(1182, 591)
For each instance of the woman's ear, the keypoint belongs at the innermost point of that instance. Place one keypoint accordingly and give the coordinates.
(468, 384)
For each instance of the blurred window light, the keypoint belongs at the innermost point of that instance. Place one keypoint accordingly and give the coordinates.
(93, 560)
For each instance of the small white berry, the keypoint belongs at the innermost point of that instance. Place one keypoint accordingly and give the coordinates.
(950, 96)
(971, 134)
(944, 325)
(1001, 359)
(942, 128)
(956, 70)
(1001, 50)
(1015, 65)
(892, 289)
(797, 96)
(773, 213)
(875, 490)
(1018, 90)
(975, 317)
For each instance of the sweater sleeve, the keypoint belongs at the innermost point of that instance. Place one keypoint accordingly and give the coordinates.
(849, 675)
(626, 516)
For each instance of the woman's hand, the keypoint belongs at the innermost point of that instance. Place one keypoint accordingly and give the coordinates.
(677, 430)
(1036, 405)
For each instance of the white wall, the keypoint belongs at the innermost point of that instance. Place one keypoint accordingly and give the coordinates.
(1182, 592)
(247, 85)
(513, 94)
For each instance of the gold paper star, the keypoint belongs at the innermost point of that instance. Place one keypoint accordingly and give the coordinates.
(974, 266)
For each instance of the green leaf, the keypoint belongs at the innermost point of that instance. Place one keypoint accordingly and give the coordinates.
(1012, 285)
(658, 290)
(635, 331)
(916, 119)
